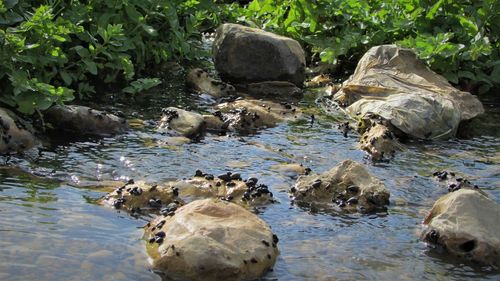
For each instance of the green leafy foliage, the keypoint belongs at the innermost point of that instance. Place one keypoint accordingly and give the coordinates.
(54, 52)
(458, 39)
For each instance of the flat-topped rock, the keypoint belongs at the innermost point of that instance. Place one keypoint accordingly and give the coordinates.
(210, 240)
(84, 120)
(245, 54)
(466, 223)
(348, 186)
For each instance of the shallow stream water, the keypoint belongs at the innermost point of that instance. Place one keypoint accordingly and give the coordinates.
(52, 229)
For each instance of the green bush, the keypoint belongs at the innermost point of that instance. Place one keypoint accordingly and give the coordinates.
(458, 39)
(54, 52)
(60, 50)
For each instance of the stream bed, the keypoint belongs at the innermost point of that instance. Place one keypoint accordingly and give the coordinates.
(51, 227)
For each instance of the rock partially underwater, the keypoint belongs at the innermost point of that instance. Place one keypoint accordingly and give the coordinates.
(211, 240)
(348, 187)
(466, 223)
(186, 123)
(201, 81)
(391, 84)
(247, 116)
(85, 121)
(245, 54)
(142, 198)
(16, 135)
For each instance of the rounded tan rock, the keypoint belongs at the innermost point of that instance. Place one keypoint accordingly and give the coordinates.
(466, 223)
(211, 240)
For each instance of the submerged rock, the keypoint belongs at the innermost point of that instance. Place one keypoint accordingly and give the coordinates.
(292, 170)
(391, 83)
(349, 186)
(211, 239)
(245, 54)
(186, 123)
(228, 186)
(466, 224)
(141, 197)
(200, 80)
(281, 90)
(16, 135)
(84, 120)
(247, 116)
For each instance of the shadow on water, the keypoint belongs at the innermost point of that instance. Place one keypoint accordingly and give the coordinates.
(52, 228)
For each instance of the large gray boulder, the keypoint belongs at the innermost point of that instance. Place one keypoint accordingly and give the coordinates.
(16, 135)
(245, 54)
(210, 240)
(467, 224)
(84, 120)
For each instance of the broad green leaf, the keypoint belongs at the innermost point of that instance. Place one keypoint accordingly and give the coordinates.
(434, 9)
(66, 77)
(90, 66)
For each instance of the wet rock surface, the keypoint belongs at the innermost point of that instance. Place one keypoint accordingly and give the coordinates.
(84, 120)
(380, 142)
(466, 224)
(16, 135)
(246, 54)
(227, 186)
(348, 186)
(247, 116)
(211, 239)
(392, 83)
(142, 198)
(186, 123)
(200, 80)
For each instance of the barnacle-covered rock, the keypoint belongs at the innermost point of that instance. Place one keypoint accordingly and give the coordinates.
(247, 116)
(228, 186)
(140, 197)
(210, 240)
(466, 224)
(349, 186)
(186, 123)
(380, 142)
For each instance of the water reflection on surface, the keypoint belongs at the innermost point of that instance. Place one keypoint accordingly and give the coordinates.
(51, 229)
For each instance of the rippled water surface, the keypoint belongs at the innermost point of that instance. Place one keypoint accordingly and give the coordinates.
(52, 229)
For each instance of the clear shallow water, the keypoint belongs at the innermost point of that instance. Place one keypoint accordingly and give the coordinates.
(51, 228)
